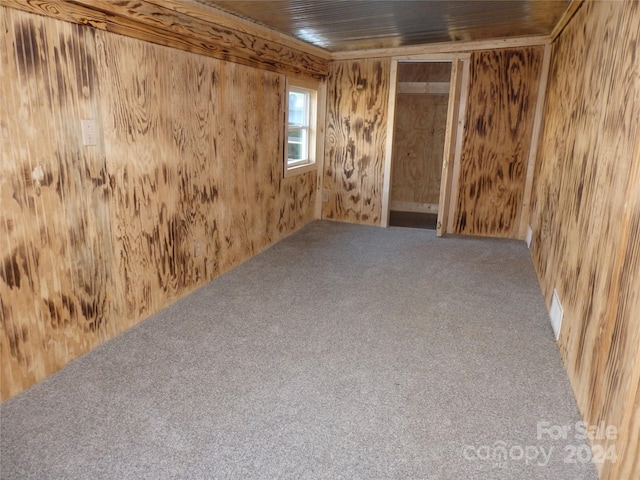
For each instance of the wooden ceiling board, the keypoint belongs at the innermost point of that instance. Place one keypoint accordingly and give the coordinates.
(339, 25)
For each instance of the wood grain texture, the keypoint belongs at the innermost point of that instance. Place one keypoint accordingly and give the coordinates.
(419, 134)
(424, 71)
(586, 217)
(418, 147)
(535, 141)
(55, 252)
(357, 97)
(183, 29)
(207, 12)
(413, 52)
(184, 184)
(626, 340)
(501, 105)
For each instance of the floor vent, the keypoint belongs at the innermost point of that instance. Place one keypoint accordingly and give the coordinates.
(555, 314)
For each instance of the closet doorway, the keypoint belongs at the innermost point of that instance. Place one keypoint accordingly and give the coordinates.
(423, 134)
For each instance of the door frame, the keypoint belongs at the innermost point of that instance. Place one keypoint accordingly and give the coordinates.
(456, 110)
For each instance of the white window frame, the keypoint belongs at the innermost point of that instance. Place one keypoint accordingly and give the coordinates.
(310, 88)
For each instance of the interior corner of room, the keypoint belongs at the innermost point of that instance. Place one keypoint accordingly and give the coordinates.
(140, 160)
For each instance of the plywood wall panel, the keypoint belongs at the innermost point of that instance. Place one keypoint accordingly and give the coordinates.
(497, 134)
(357, 98)
(139, 139)
(418, 142)
(628, 461)
(585, 216)
(191, 27)
(621, 398)
(55, 279)
(184, 184)
(424, 71)
(205, 192)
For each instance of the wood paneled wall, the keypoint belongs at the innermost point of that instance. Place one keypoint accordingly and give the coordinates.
(503, 90)
(357, 97)
(502, 97)
(184, 183)
(192, 27)
(586, 218)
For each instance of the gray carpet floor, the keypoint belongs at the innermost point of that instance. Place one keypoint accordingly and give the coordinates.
(342, 352)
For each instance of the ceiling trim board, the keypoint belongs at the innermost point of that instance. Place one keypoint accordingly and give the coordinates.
(151, 22)
(568, 14)
(448, 47)
(433, 57)
(217, 16)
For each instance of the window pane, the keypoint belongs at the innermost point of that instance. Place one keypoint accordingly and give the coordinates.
(295, 152)
(295, 135)
(300, 137)
(298, 109)
(297, 145)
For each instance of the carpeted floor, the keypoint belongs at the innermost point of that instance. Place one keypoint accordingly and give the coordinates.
(343, 352)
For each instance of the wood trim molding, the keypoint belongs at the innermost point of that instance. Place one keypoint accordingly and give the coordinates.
(457, 155)
(568, 14)
(399, 206)
(450, 136)
(388, 149)
(195, 27)
(535, 140)
(320, 132)
(446, 47)
(424, 88)
(212, 15)
(177, 28)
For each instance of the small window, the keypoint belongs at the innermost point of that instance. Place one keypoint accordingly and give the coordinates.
(298, 123)
(301, 128)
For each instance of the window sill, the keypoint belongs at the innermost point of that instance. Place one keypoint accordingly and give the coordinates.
(300, 169)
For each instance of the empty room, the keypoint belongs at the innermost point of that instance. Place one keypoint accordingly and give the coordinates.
(320, 239)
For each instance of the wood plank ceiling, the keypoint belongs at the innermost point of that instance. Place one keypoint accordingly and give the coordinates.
(339, 25)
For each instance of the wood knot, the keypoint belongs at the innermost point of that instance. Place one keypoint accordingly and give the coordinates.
(37, 175)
